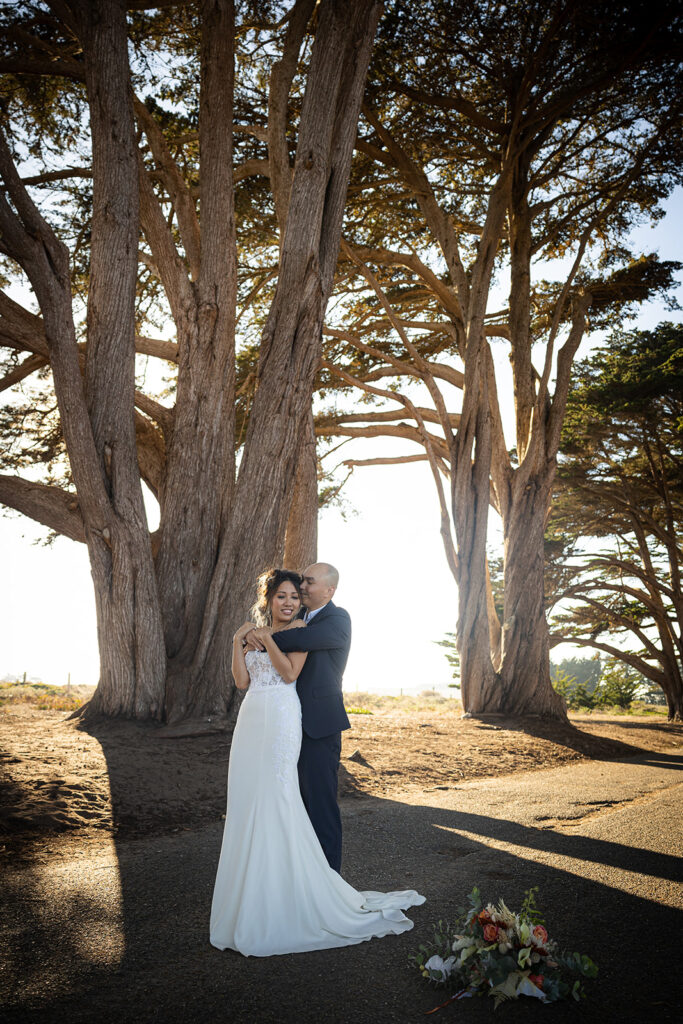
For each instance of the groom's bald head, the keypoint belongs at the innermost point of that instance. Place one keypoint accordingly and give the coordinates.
(319, 584)
(328, 572)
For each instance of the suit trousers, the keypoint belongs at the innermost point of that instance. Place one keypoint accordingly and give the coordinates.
(318, 771)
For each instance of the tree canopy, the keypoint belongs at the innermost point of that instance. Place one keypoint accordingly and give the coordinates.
(617, 519)
(162, 237)
(511, 139)
(517, 143)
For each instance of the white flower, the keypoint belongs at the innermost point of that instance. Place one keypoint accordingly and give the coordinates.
(503, 947)
(467, 953)
(523, 956)
(527, 988)
(460, 942)
(437, 965)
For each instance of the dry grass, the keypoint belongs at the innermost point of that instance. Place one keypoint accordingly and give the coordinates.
(47, 697)
(44, 696)
(360, 702)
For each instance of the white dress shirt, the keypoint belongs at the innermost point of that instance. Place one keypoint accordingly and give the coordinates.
(310, 615)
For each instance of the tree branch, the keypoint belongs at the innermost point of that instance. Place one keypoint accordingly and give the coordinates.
(413, 352)
(639, 664)
(25, 369)
(156, 347)
(180, 194)
(281, 78)
(53, 507)
(386, 416)
(167, 261)
(433, 457)
(438, 221)
(49, 176)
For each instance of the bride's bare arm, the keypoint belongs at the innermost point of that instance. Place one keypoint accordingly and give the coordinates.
(240, 672)
(287, 665)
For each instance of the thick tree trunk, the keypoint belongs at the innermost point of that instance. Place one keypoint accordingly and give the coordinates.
(470, 498)
(200, 460)
(471, 471)
(525, 686)
(129, 630)
(674, 702)
(672, 682)
(301, 537)
(98, 420)
(291, 346)
(133, 663)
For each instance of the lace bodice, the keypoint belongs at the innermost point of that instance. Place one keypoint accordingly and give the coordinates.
(262, 674)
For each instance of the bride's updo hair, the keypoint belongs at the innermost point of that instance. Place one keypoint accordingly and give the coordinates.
(269, 583)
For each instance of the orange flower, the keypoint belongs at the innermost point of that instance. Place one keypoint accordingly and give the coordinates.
(490, 932)
(484, 916)
(537, 980)
(541, 934)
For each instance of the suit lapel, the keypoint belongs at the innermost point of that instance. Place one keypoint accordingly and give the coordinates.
(323, 612)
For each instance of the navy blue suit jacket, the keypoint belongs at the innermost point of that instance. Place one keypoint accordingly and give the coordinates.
(327, 641)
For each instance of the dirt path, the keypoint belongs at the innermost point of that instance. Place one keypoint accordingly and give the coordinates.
(115, 929)
(125, 778)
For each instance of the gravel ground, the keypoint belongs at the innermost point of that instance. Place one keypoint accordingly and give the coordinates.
(110, 930)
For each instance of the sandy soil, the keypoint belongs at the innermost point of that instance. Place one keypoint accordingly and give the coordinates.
(58, 777)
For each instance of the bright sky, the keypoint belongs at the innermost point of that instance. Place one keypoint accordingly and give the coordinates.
(394, 578)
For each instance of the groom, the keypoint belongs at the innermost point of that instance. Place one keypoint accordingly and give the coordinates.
(327, 639)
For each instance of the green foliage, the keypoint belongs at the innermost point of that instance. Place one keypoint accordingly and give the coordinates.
(620, 684)
(452, 656)
(618, 509)
(578, 693)
(563, 683)
(581, 670)
(617, 685)
(529, 908)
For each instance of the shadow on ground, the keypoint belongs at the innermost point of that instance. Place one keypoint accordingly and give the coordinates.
(581, 740)
(119, 934)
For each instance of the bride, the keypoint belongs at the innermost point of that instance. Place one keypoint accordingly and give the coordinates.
(274, 890)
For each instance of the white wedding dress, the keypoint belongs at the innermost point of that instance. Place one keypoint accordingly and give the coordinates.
(275, 891)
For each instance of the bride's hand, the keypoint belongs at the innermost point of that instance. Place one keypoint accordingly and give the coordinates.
(243, 630)
(260, 633)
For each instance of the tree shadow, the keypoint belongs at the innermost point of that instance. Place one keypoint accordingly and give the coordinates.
(588, 744)
(155, 893)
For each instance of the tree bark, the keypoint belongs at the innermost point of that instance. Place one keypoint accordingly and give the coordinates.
(216, 532)
(470, 502)
(291, 345)
(98, 419)
(674, 699)
(133, 663)
(301, 537)
(197, 490)
(525, 686)
(471, 488)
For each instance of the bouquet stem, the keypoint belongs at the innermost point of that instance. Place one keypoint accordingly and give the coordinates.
(458, 995)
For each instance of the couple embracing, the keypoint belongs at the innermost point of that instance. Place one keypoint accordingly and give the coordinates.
(278, 887)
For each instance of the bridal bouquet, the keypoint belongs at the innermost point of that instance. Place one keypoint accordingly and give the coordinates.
(491, 950)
